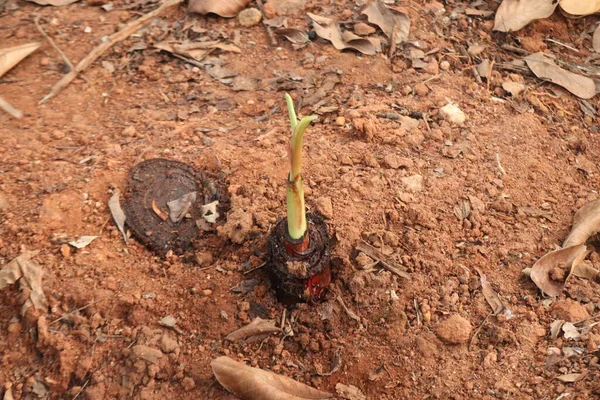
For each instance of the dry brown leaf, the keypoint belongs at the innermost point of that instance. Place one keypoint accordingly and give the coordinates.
(196, 54)
(580, 7)
(546, 272)
(296, 36)
(492, 297)
(544, 67)
(29, 275)
(586, 223)
(555, 328)
(514, 88)
(395, 24)
(349, 392)
(114, 205)
(253, 383)
(328, 29)
(224, 8)
(513, 15)
(572, 378)
(258, 326)
(11, 56)
(596, 39)
(585, 270)
(570, 331)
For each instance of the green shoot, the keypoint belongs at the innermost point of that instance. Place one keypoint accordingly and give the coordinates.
(296, 212)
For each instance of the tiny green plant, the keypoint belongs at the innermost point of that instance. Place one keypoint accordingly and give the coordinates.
(296, 212)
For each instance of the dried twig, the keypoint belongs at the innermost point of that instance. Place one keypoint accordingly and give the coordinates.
(52, 43)
(500, 167)
(80, 309)
(562, 44)
(479, 329)
(5, 105)
(383, 259)
(129, 29)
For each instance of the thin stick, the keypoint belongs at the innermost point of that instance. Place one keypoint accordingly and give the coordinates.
(5, 105)
(500, 167)
(52, 43)
(267, 27)
(80, 309)
(81, 390)
(383, 259)
(479, 329)
(255, 268)
(562, 44)
(124, 33)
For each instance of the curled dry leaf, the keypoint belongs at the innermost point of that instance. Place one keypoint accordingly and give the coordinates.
(223, 8)
(258, 326)
(185, 51)
(395, 24)
(328, 29)
(83, 241)
(580, 7)
(256, 384)
(296, 36)
(544, 68)
(586, 223)
(550, 273)
(179, 208)
(492, 298)
(29, 275)
(570, 331)
(11, 56)
(585, 270)
(349, 392)
(514, 88)
(555, 328)
(114, 205)
(513, 15)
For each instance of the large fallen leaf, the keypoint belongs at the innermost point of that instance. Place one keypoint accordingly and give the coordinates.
(394, 23)
(224, 8)
(551, 272)
(11, 56)
(328, 29)
(586, 223)
(258, 326)
(544, 67)
(513, 15)
(580, 7)
(29, 275)
(256, 384)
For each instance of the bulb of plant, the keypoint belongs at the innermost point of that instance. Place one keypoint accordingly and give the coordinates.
(299, 246)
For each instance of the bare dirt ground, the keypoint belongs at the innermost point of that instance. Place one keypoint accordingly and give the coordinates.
(392, 182)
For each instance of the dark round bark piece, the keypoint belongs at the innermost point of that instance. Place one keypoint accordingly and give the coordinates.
(160, 181)
(302, 277)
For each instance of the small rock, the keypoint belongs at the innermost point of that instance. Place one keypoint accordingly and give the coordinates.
(444, 65)
(569, 310)
(204, 259)
(207, 292)
(413, 183)
(363, 260)
(147, 353)
(269, 11)
(406, 90)
(433, 68)
(249, 17)
(362, 29)
(455, 330)
(450, 112)
(58, 134)
(391, 161)
(188, 384)
(65, 250)
(421, 89)
(324, 207)
(169, 321)
(168, 344)
(340, 121)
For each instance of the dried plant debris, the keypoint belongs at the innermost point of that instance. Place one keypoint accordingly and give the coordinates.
(223, 8)
(256, 384)
(328, 29)
(586, 223)
(83, 241)
(551, 272)
(258, 327)
(513, 15)
(555, 328)
(596, 39)
(179, 208)
(114, 205)
(349, 392)
(580, 7)
(572, 378)
(29, 275)
(297, 37)
(570, 331)
(544, 68)
(11, 56)
(493, 298)
(585, 270)
(394, 23)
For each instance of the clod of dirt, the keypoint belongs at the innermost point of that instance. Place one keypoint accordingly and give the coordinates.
(413, 183)
(569, 310)
(147, 353)
(153, 185)
(451, 113)
(324, 206)
(249, 17)
(349, 392)
(238, 225)
(286, 7)
(455, 330)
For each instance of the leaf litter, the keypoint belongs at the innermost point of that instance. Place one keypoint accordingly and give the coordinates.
(330, 30)
(551, 272)
(493, 298)
(29, 275)
(394, 23)
(513, 15)
(114, 205)
(250, 383)
(258, 327)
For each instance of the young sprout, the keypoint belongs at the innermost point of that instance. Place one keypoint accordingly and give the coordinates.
(296, 213)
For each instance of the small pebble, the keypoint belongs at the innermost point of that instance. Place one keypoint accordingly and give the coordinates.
(450, 112)
(340, 121)
(421, 89)
(455, 330)
(445, 65)
(249, 17)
